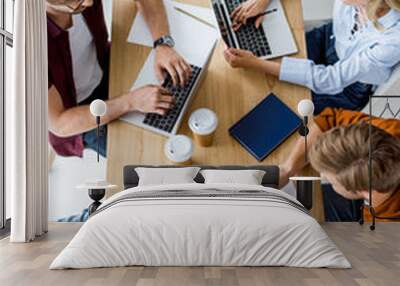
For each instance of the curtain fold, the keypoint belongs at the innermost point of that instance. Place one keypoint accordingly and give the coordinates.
(26, 117)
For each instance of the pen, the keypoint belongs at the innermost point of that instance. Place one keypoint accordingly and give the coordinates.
(193, 16)
(253, 18)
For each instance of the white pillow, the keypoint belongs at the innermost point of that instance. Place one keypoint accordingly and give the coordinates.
(166, 176)
(247, 177)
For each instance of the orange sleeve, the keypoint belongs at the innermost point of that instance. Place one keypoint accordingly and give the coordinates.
(326, 120)
(391, 126)
(332, 117)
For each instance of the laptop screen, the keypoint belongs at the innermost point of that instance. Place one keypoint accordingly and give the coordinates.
(223, 23)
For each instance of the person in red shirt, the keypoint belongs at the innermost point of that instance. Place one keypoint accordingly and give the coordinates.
(78, 65)
(339, 150)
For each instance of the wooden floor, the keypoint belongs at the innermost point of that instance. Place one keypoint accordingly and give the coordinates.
(375, 257)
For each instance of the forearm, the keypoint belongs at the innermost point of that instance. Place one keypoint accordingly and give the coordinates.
(270, 67)
(296, 161)
(156, 18)
(77, 120)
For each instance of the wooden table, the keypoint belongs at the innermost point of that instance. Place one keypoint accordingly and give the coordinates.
(229, 92)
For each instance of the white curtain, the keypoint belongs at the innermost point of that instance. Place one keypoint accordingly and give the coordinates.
(26, 115)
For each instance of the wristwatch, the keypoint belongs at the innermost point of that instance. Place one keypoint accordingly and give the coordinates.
(164, 40)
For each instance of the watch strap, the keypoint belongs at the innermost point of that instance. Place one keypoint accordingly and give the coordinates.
(158, 42)
(164, 40)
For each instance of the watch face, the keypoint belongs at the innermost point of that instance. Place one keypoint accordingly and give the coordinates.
(169, 41)
(165, 40)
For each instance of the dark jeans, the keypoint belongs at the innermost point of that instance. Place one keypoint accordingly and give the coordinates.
(321, 50)
(76, 218)
(337, 208)
(90, 140)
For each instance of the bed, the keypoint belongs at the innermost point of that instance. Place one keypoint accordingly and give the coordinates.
(201, 224)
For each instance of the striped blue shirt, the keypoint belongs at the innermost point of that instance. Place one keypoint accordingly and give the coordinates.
(367, 55)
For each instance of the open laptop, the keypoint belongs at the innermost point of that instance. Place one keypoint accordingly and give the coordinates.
(169, 124)
(272, 39)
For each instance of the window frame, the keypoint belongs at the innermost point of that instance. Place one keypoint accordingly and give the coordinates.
(6, 39)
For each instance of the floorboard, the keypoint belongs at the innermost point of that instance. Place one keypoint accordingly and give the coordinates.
(375, 257)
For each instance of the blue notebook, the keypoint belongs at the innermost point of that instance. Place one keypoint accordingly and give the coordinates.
(265, 127)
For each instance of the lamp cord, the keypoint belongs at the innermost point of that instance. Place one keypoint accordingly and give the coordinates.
(305, 139)
(98, 139)
(306, 149)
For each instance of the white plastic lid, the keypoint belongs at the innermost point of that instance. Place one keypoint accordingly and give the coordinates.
(305, 178)
(179, 148)
(96, 184)
(203, 121)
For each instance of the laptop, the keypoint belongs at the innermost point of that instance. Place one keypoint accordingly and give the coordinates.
(168, 124)
(272, 39)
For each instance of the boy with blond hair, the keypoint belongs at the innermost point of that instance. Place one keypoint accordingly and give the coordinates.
(340, 152)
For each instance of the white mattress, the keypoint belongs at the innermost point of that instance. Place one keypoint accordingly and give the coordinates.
(205, 231)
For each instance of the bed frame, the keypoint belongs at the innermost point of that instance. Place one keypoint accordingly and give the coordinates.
(271, 177)
(395, 115)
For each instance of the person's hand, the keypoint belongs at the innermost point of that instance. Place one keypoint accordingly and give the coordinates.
(169, 61)
(248, 9)
(241, 58)
(151, 99)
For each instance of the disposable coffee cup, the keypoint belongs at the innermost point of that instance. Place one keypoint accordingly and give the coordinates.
(179, 149)
(203, 122)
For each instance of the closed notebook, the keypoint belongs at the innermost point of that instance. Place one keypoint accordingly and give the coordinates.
(265, 127)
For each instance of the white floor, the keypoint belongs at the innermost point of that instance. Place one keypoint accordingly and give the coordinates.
(316, 12)
(65, 175)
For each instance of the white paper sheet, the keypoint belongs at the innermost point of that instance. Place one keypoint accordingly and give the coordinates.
(183, 28)
(206, 14)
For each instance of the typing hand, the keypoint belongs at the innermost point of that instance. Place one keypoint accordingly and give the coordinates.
(151, 99)
(241, 58)
(249, 9)
(169, 61)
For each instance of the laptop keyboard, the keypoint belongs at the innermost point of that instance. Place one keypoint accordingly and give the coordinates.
(181, 94)
(249, 37)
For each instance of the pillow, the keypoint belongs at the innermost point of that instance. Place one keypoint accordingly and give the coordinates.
(166, 176)
(247, 177)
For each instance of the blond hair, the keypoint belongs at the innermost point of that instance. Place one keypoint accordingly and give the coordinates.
(344, 152)
(375, 6)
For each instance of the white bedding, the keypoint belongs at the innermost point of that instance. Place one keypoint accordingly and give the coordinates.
(188, 231)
